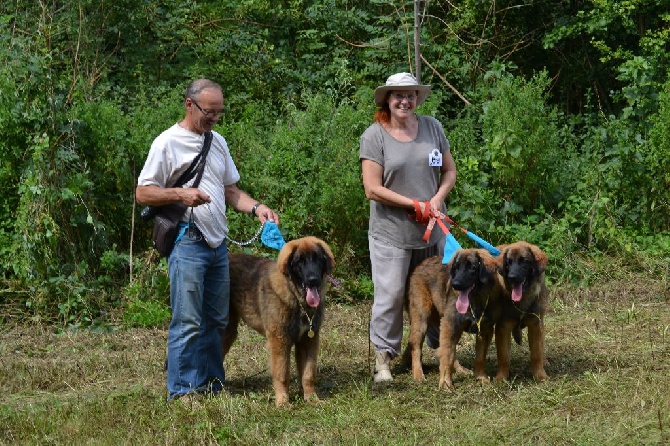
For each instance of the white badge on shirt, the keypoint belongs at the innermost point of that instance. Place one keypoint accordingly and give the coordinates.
(435, 158)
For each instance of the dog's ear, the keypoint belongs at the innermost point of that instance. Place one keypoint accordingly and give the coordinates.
(453, 262)
(501, 260)
(285, 256)
(327, 255)
(455, 257)
(487, 266)
(541, 259)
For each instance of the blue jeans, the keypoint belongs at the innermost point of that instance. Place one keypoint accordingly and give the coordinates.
(199, 297)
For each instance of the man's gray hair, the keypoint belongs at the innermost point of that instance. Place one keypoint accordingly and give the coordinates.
(195, 87)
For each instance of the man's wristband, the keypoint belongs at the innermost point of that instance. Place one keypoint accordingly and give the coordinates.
(253, 209)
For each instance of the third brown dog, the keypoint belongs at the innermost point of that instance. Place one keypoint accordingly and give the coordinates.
(465, 295)
(522, 267)
(284, 302)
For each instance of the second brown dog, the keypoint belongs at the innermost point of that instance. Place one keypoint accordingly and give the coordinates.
(464, 295)
(522, 267)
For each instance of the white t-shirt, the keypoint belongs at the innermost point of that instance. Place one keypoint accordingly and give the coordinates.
(171, 153)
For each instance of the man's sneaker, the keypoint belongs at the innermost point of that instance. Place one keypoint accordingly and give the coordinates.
(382, 372)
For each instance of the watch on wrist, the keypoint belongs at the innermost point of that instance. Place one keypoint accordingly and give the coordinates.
(253, 209)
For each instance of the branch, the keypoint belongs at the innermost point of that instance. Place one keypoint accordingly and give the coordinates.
(451, 87)
(360, 45)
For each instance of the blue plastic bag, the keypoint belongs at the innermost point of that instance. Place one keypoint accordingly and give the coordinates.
(271, 236)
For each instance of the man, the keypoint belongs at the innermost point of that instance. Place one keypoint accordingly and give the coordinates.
(198, 264)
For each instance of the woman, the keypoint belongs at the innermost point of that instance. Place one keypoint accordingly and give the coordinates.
(404, 156)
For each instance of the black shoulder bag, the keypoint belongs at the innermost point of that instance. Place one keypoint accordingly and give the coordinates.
(167, 217)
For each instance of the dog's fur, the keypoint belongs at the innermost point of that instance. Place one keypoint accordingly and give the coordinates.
(284, 302)
(522, 267)
(471, 279)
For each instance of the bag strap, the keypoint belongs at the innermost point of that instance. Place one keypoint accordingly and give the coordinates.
(197, 165)
(203, 158)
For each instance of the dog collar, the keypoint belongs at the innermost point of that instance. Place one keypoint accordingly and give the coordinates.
(310, 333)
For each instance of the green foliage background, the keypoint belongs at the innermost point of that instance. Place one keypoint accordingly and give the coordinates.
(558, 118)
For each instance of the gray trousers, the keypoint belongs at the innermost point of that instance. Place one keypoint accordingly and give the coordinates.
(390, 271)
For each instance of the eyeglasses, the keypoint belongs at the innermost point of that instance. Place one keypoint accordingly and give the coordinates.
(208, 113)
(400, 97)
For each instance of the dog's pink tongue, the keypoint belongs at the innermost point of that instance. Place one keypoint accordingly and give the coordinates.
(313, 298)
(517, 293)
(463, 301)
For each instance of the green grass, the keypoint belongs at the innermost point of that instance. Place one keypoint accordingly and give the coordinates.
(608, 348)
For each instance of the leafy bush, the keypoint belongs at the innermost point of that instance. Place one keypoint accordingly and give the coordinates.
(146, 298)
(523, 149)
(80, 105)
(306, 167)
(656, 197)
(508, 153)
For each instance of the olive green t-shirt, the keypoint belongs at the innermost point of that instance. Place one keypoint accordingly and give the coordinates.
(407, 171)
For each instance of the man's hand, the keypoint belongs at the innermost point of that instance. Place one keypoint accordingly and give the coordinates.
(193, 197)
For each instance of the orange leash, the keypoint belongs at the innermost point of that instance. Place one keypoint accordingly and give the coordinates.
(429, 218)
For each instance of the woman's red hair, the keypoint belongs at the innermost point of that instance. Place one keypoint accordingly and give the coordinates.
(383, 114)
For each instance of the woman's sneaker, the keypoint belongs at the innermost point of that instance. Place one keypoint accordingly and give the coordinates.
(382, 372)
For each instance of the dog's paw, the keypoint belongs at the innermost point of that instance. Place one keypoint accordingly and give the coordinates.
(312, 398)
(500, 377)
(458, 368)
(540, 376)
(282, 401)
(418, 375)
(484, 380)
(446, 383)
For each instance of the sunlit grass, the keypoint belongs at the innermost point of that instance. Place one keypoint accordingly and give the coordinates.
(608, 350)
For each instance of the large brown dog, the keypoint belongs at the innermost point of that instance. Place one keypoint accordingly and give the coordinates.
(283, 301)
(522, 266)
(464, 295)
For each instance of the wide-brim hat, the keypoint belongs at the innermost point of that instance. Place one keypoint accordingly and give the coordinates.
(401, 81)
